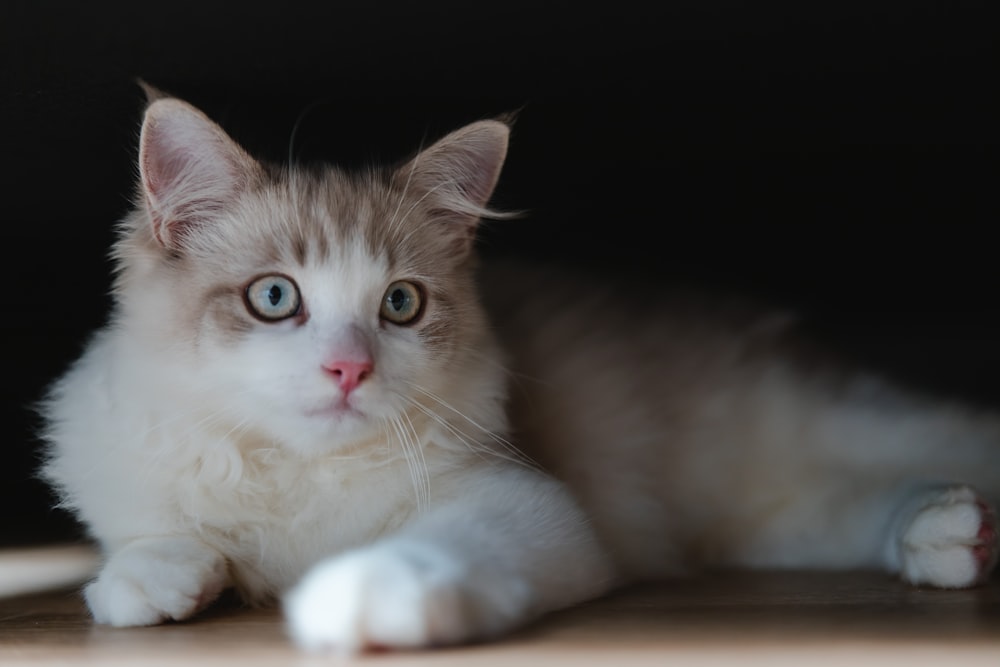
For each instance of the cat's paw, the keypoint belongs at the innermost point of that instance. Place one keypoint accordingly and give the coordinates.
(156, 579)
(385, 596)
(951, 541)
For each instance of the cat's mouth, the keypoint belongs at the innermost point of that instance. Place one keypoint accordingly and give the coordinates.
(338, 409)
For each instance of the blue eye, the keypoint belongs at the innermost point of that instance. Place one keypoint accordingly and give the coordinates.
(402, 303)
(273, 298)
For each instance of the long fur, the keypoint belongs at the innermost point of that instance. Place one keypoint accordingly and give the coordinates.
(205, 447)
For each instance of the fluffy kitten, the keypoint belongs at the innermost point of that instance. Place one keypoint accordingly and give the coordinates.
(299, 394)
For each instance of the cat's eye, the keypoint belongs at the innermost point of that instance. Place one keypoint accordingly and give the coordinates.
(402, 303)
(272, 298)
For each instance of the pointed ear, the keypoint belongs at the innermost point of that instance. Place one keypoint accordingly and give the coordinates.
(457, 176)
(189, 168)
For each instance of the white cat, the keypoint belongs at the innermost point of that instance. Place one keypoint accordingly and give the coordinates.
(300, 394)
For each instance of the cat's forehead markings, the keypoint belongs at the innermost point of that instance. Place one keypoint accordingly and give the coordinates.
(346, 218)
(300, 236)
(354, 218)
(300, 246)
(316, 239)
(322, 214)
(365, 227)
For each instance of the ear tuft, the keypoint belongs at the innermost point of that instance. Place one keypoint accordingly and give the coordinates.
(458, 174)
(152, 92)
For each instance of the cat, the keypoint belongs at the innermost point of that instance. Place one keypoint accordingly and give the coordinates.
(311, 389)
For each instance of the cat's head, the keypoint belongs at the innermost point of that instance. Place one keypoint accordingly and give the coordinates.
(317, 306)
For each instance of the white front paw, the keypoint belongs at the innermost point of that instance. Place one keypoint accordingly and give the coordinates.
(951, 542)
(394, 596)
(156, 579)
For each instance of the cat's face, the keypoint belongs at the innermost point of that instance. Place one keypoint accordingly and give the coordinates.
(319, 308)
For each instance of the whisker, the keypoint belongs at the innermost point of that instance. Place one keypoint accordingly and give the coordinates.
(413, 206)
(498, 439)
(174, 417)
(406, 189)
(405, 445)
(493, 436)
(295, 128)
(206, 422)
(490, 359)
(421, 463)
(473, 446)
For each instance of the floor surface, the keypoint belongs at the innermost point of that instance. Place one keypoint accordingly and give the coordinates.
(769, 618)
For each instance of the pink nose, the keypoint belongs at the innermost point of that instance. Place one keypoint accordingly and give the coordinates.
(349, 374)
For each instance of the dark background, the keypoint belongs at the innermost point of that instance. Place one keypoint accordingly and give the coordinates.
(836, 157)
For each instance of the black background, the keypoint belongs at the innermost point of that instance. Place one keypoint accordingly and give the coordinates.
(836, 157)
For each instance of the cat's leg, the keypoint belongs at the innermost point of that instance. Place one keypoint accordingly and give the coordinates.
(154, 579)
(944, 536)
(509, 546)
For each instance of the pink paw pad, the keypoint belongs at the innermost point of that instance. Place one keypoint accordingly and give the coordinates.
(986, 550)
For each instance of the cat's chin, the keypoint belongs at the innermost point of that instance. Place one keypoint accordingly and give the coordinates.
(331, 427)
(341, 418)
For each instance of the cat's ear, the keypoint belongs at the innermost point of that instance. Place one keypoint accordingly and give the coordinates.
(189, 168)
(457, 175)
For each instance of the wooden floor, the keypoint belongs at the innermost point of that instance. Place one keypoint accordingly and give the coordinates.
(777, 619)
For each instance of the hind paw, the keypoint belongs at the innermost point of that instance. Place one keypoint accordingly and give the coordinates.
(951, 541)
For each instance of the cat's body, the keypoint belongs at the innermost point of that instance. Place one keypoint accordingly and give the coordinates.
(703, 432)
(299, 379)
